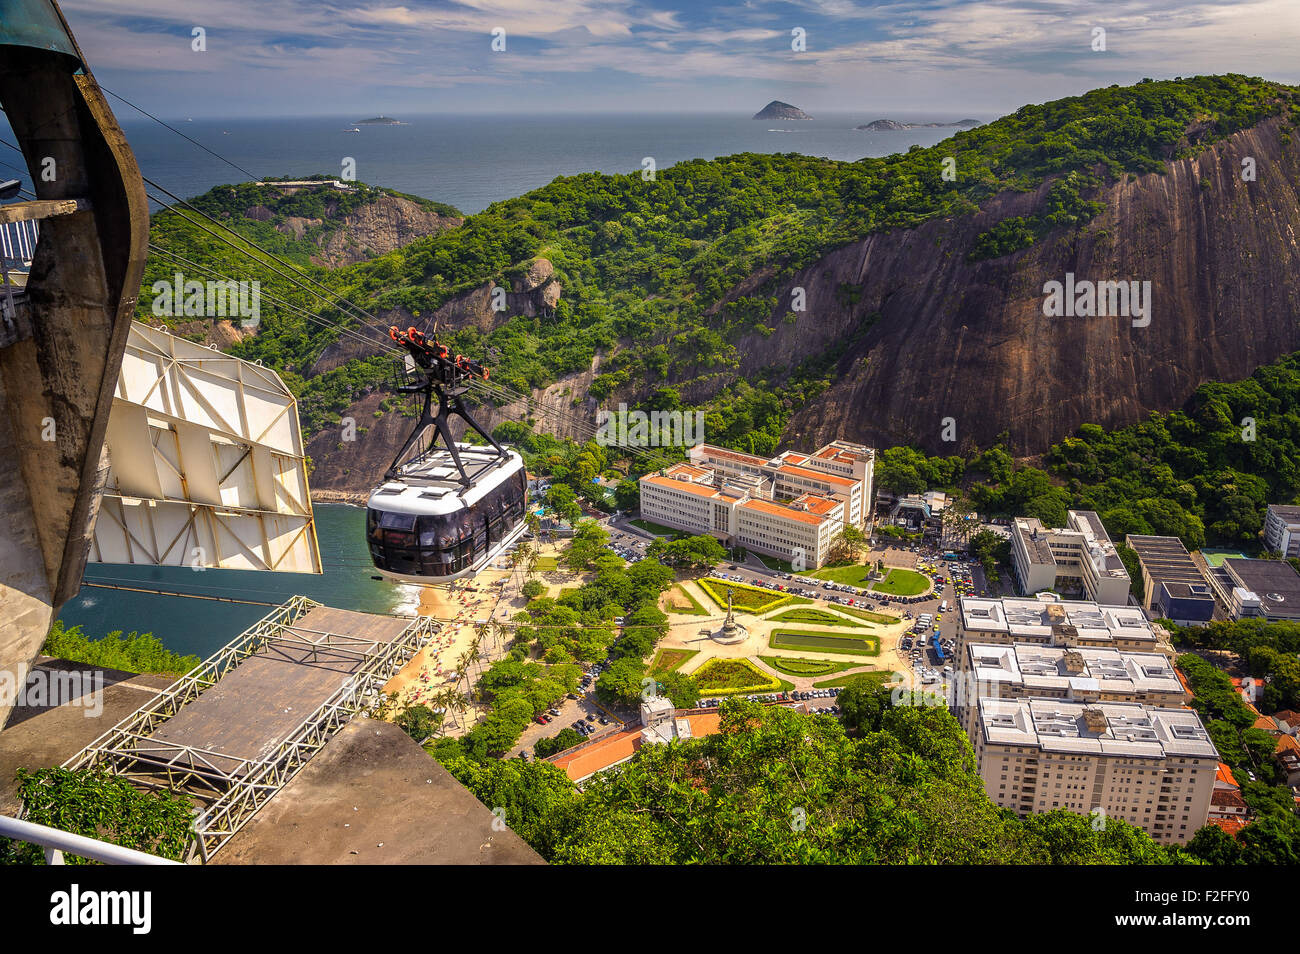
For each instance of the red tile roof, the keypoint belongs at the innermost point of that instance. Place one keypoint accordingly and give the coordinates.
(1230, 825)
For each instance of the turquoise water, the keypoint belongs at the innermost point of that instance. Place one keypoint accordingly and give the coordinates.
(203, 626)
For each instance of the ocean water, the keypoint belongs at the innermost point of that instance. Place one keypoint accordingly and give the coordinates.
(203, 626)
(473, 161)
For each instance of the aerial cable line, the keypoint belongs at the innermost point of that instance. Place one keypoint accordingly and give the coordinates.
(273, 298)
(349, 308)
(210, 152)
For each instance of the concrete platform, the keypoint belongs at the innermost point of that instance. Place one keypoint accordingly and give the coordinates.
(373, 796)
(43, 736)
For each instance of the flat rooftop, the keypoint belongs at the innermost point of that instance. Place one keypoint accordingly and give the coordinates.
(1033, 536)
(1030, 667)
(372, 796)
(1129, 730)
(1036, 620)
(251, 709)
(1164, 559)
(1288, 512)
(1275, 582)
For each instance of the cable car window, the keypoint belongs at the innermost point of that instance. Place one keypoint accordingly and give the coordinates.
(397, 521)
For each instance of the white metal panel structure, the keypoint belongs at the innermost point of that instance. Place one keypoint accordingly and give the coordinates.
(206, 463)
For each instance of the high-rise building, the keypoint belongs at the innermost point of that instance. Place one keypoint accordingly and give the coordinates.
(1152, 767)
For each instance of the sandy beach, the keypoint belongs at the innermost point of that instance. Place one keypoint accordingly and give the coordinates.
(492, 594)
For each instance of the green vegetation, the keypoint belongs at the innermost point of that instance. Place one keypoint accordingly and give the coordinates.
(656, 528)
(903, 790)
(1273, 837)
(669, 660)
(99, 805)
(824, 642)
(719, 677)
(748, 599)
(820, 617)
(135, 652)
(566, 738)
(805, 667)
(418, 721)
(1270, 652)
(552, 637)
(875, 678)
(1188, 473)
(901, 582)
(650, 269)
(897, 582)
(869, 616)
(688, 553)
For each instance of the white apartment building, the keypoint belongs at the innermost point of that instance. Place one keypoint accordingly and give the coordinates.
(1052, 622)
(1078, 557)
(1282, 529)
(1152, 767)
(1080, 674)
(743, 502)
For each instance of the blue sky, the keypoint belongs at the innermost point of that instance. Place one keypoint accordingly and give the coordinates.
(324, 57)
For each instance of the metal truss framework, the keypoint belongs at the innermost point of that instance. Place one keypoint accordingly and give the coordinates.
(207, 466)
(233, 789)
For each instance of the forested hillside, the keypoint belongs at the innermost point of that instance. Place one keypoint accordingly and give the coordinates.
(684, 282)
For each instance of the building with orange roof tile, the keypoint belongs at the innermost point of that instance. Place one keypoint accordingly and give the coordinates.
(1288, 757)
(660, 724)
(791, 506)
(1230, 825)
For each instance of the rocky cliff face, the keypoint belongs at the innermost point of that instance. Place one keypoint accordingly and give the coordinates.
(380, 226)
(535, 292)
(950, 338)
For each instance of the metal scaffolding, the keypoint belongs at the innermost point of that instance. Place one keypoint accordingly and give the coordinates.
(232, 788)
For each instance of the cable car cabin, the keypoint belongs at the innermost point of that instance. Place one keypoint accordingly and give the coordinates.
(424, 526)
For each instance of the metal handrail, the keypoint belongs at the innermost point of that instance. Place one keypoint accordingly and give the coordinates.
(55, 841)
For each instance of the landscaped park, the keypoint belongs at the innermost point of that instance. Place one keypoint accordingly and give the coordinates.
(791, 642)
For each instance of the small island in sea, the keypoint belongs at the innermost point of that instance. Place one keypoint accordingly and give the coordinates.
(880, 125)
(379, 121)
(779, 110)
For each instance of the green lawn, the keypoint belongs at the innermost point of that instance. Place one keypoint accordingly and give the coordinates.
(658, 529)
(726, 676)
(824, 642)
(898, 581)
(804, 614)
(747, 599)
(546, 563)
(840, 681)
(854, 574)
(774, 563)
(678, 595)
(669, 660)
(793, 666)
(869, 616)
(901, 582)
